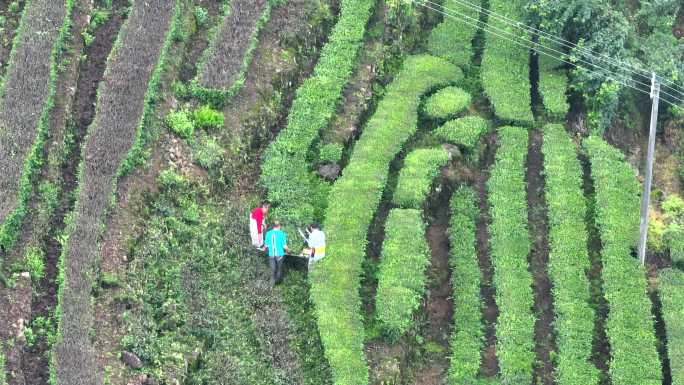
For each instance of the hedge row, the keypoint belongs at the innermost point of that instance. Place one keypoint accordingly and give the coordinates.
(285, 170)
(222, 69)
(506, 68)
(671, 289)
(465, 132)
(553, 84)
(630, 326)
(568, 259)
(421, 167)
(510, 247)
(124, 107)
(353, 202)
(453, 39)
(468, 335)
(401, 275)
(26, 99)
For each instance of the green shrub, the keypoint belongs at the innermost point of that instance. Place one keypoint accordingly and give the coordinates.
(630, 327)
(465, 131)
(170, 180)
(35, 263)
(466, 278)
(505, 68)
(674, 239)
(421, 168)
(671, 290)
(452, 39)
(201, 16)
(673, 207)
(285, 171)
(568, 259)
(3, 378)
(330, 153)
(553, 83)
(352, 204)
(180, 124)
(207, 152)
(401, 275)
(208, 118)
(447, 103)
(510, 246)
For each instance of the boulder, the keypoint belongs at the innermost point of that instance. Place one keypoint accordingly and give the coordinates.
(329, 171)
(131, 360)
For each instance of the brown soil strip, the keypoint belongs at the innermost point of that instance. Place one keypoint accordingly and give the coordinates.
(490, 363)
(120, 107)
(15, 308)
(199, 41)
(232, 43)
(544, 337)
(601, 346)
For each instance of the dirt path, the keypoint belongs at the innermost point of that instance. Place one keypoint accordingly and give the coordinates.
(601, 346)
(490, 363)
(544, 337)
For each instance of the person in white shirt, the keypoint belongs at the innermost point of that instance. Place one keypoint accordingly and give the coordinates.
(316, 242)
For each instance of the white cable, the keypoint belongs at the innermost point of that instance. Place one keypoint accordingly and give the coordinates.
(535, 46)
(566, 43)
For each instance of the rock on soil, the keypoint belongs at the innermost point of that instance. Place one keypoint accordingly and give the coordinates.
(131, 360)
(329, 171)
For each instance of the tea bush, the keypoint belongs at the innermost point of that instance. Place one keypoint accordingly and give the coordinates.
(421, 168)
(285, 171)
(466, 278)
(352, 204)
(511, 245)
(330, 153)
(452, 38)
(505, 67)
(568, 259)
(553, 83)
(630, 328)
(401, 275)
(671, 290)
(447, 103)
(208, 118)
(465, 132)
(179, 123)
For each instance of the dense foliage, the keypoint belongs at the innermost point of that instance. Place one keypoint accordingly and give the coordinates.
(568, 259)
(452, 39)
(630, 327)
(506, 69)
(421, 167)
(468, 334)
(671, 290)
(285, 169)
(401, 275)
(553, 83)
(353, 202)
(465, 132)
(447, 103)
(510, 247)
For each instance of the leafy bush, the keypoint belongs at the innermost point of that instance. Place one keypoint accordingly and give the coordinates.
(352, 205)
(35, 263)
(3, 378)
(207, 152)
(447, 103)
(330, 153)
(505, 68)
(208, 118)
(452, 38)
(201, 16)
(630, 327)
(465, 131)
(285, 172)
(671, 290)
(401, 275)
(468, 335)
(421, 167)
(179, 123)
(568, 259)
(674, 239)
(553, 83)
(510, 246)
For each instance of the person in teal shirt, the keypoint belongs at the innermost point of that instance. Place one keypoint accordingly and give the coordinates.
(275, 241)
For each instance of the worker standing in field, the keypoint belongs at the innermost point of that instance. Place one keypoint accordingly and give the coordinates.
(316, 242)
(257, 225)
(276, 243)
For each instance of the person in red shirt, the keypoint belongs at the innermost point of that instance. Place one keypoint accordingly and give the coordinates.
(257, 225)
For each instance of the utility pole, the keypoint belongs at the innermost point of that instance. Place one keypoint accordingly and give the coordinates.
(646, 197)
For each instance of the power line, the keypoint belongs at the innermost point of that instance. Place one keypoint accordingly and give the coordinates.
(535, 46)
(639, 71)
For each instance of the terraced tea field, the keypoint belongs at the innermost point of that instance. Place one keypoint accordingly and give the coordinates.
(479, 196)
